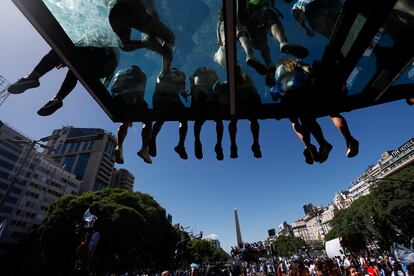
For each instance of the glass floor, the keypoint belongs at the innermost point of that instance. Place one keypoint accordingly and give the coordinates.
(147, 60)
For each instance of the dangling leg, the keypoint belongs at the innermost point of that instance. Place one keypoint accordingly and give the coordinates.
(233, 134)
(278, 33)
(303, 133)
(250, 59)
(219, 132)
(57, 102)
(145, 136)
(156, 128)
(198, 148)
(351, 143)
(180, 148)
(122, 133)
(324, 146)
(46, 64)
(255, 129)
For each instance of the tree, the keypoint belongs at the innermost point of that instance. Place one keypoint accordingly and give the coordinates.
(133, 227)
(202, 251)
(381, 216)
(288, 245)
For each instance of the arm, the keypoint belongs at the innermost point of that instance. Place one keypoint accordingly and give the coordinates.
(299, 18)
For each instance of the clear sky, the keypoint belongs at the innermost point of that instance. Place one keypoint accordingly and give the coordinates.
(202, 194)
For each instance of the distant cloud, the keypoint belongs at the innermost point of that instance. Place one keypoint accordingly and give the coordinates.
(213, 237)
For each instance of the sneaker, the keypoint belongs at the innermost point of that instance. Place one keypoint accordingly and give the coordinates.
(143, 153)
(324, 151)
(181, 152)
(119, 156)
(294, 49)
(152, 148)
(219, 152)
(260, 68)
(256, 151)
(198, 150)
(353, 148)
(233, 152)
(50, 107)
(22, 85)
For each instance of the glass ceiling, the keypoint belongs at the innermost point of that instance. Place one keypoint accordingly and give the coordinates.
(163, 59)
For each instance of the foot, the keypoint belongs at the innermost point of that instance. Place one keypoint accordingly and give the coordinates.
(50, 107)
(260, 68)
(311, 155)
(152, 148)
(256, 151)
(181, 152)
(353, 148)
(198, 150)
(23, 84)
(219, 152)
(143, 153)
(233, 152)
(119, 156)
(294, 49)
(324, 151)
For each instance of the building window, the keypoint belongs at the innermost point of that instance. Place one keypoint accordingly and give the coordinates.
(90, 145)
(77, 146)
(6, 165)
(68, 162)
(81, 165)
(8, 155)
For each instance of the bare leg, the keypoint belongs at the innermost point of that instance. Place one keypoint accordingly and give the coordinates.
(303, 132)
(145, 136)
(278, 32)
(233, 134)
(351, 143)
(250, 59)
(122, 133)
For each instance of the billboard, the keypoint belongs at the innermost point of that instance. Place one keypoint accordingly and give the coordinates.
(333, 248)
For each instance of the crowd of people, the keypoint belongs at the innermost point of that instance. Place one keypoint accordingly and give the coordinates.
(289, 80)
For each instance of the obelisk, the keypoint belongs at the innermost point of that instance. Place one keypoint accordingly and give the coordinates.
(238, 233)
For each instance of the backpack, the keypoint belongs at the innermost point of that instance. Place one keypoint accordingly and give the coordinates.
(167, 91)
(201, 84)
(129, 84)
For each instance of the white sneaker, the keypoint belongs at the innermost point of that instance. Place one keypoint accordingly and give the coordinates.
(143, 153)
(119, 156)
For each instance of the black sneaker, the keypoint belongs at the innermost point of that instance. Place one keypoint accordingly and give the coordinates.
(233, 152)
(256, 151)
(294, 49)
(198, 150)
(152, 151)
(219, 152)
(324, 151)
(353, 148)
(181, 152)
(311, 155)
(50, 107)
(22, 85)
(260, 68)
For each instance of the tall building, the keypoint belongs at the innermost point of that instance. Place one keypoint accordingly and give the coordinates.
(285, 229)
(86, 152)
(122, 178)
(391, 162)
(33, 181)
(213, 239)
(299, 230)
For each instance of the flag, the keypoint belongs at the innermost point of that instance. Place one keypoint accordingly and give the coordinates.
(89, 218)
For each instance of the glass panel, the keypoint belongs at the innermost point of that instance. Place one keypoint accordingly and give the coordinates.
(387, 54)
(268, 34)
(147, 54)
(81, 165)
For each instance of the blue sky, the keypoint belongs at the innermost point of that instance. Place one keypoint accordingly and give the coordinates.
(202, 194)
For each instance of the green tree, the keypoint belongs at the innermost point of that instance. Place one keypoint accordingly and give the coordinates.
(381, 216)
(133, 227)
(202, 251)
(288, 245)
